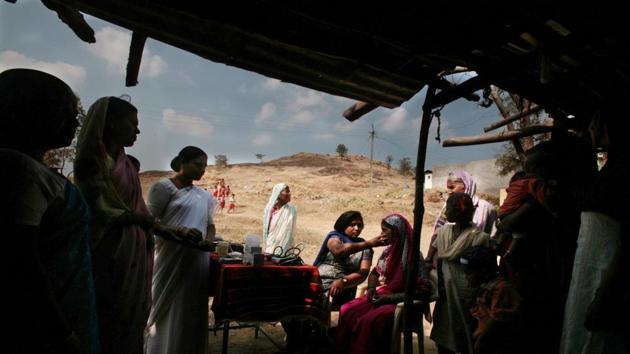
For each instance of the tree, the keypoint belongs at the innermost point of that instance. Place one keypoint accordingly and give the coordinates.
(404, 167)
(60, 159)
(342, 150)
(511, 158)
(388, 160)
(260, 157)
(220, 161)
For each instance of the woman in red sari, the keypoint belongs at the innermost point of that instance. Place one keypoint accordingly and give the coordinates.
(365, 322)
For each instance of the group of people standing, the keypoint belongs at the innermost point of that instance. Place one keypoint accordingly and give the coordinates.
(82, 258)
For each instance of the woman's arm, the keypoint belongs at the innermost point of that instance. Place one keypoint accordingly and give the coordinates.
(351, 280)
(340, 249)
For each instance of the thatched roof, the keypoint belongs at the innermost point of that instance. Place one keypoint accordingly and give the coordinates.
(569, 62)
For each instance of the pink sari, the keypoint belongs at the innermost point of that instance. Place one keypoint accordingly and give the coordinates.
(364, 327)
(123, 266)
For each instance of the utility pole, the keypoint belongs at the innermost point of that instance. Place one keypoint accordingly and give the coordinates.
(372, 136)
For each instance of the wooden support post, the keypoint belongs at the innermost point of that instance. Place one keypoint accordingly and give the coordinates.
(418, 214)
(135, 57)
(496, 138)
(466, 88)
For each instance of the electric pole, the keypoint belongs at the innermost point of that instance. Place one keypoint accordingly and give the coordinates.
(372, 136)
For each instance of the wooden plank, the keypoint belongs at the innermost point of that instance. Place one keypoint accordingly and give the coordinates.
(135, 58)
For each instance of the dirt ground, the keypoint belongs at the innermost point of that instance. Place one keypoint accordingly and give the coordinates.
(322, 187)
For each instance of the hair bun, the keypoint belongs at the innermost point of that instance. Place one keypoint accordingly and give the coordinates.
(176, 163)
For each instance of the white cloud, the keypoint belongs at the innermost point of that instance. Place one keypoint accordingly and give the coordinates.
(112, 45)
(186, 125)
(262, 139)
(266, 111)
(343, 100)
(303, 116)
(186, 79)
(73, 75)
(395, 121)
(271, 84)
(306, 98)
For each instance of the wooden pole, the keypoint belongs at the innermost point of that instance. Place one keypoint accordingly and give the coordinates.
(495, 138)
(418, 214)
(358, 109)
(511, 119)
(135, 57)
(496, 97)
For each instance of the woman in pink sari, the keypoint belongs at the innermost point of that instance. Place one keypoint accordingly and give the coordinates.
(122, 247)
(365, 322)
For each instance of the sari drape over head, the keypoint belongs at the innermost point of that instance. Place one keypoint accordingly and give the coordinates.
(122, 254)
(278, 225)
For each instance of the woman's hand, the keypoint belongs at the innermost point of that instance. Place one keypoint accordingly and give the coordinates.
(371, 294)
(378, 241)
(189, 234)
(337, 287)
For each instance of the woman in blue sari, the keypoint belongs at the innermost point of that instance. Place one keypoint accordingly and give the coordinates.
(344, 259)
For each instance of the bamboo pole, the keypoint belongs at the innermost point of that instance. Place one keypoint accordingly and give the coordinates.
(496, 138)
(418, 214)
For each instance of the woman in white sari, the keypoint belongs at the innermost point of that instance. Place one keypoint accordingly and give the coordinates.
(178, 322)
(279, 220)
(453, 324)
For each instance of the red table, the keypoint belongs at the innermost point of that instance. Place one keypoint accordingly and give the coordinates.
(266, 293)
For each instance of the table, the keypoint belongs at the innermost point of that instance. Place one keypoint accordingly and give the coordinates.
(267, 293)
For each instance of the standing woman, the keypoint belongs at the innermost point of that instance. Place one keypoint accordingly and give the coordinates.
(279, 220)
(46, 263)
(122, 248)
(179, 317)
(344, 259)
(453, 325)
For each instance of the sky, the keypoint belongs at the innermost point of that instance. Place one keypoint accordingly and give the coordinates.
(184, 99)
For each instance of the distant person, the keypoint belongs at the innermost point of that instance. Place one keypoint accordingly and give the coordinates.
(232, 203)
(49, 290)
(344, 259)
(279, 220)
(366, 323)
(453, 324)
(121, 227)
(179, 317)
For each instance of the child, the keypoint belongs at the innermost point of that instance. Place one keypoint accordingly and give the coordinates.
(232, 203)
(526, 189)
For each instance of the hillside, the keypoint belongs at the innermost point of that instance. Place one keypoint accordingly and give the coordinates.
(322, 187)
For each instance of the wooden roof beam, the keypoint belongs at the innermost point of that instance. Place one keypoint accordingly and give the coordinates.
(135, 58)
(465, 89)
(358, 109)
(511, 119)
(496, 138)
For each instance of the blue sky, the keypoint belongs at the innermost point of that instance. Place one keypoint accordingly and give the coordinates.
(186, 100)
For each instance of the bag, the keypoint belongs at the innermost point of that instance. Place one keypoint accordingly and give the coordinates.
(290, 257)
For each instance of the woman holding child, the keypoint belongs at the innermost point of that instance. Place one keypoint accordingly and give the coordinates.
(453, 324)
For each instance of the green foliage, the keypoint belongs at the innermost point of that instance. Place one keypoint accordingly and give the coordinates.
(388, 160)
(260, 157)
(507, 161)
(221, 161)
(342, 150)
(404, 167)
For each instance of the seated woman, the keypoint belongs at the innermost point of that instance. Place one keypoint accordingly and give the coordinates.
(344, 259)
(365, 322)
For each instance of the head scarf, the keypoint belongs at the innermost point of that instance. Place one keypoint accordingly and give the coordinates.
(286, 218)
(398, 253)
(343, 221)
(470, 188)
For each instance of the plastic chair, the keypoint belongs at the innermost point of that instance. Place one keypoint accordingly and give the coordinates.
(397, 328)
